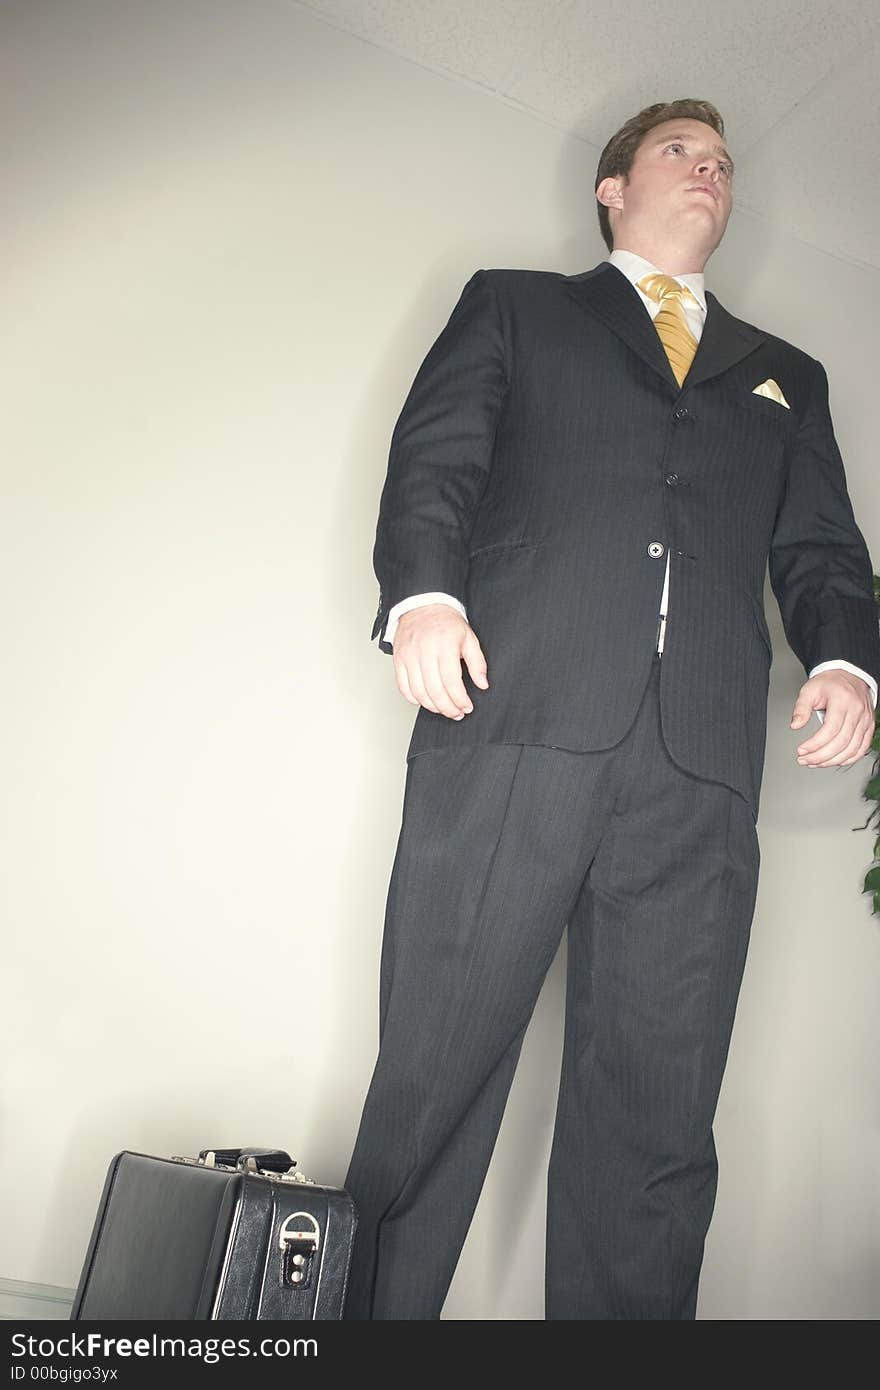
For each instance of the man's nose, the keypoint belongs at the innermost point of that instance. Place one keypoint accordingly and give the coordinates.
(708, 166)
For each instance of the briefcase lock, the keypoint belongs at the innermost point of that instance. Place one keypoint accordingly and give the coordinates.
(298, 1246)
(245, 1164)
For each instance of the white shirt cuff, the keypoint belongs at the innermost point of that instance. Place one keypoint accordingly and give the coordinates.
(417, 601)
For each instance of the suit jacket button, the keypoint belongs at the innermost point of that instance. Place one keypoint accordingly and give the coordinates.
(655, 548)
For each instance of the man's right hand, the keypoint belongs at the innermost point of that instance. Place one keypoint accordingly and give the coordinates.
(429, 646)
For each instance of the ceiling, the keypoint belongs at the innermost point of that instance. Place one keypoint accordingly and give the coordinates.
(796, 82)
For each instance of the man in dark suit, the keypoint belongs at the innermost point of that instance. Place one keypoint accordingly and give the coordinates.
(585, 486)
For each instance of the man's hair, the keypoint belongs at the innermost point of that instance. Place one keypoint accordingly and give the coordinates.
(618, 155)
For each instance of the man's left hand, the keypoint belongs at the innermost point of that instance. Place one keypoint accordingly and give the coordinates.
(848, 728)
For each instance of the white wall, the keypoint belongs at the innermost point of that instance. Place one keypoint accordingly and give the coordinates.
(234, 233)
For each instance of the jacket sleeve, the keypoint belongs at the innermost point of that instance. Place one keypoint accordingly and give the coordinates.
(440, 456)
(820, 568)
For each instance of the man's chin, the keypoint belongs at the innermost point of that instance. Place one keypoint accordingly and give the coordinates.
(703, 214)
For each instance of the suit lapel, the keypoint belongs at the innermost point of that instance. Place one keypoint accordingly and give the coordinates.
(724, 342)
(606, 292)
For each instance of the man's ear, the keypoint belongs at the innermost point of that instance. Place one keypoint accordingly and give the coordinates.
(610, 191)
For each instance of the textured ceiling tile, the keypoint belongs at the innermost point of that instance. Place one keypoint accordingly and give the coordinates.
(483, 42)
(753, 59)
(816, 173)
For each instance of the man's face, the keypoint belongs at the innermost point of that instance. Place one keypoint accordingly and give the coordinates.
(679, 190)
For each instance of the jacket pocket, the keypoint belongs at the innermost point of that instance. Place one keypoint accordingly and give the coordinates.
(501, 548)
(763, 407)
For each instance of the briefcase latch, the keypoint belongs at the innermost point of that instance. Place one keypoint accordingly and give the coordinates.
(298, 1243)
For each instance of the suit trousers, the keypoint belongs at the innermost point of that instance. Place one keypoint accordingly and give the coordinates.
(653, 872)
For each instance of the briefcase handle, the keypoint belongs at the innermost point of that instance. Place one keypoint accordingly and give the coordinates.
(249, 1160)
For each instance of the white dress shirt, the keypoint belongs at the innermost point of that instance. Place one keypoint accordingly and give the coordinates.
(634, 268)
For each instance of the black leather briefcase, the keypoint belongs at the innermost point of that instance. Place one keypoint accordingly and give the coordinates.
(234, 1234)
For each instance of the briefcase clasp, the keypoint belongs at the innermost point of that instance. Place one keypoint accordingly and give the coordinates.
(298, 1246)
(310, 1238)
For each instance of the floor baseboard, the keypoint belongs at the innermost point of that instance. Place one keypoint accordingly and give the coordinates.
(23, 1302)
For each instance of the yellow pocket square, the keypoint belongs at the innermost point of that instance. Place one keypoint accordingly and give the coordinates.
(771, 389)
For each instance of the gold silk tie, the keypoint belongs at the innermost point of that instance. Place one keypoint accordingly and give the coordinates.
(671, 321)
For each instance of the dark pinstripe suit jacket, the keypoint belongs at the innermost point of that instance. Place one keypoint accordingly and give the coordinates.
(543, 451)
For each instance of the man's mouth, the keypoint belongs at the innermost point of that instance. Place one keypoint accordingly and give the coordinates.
(704, 188)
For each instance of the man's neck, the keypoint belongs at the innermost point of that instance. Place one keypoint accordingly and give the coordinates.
(671, 261)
